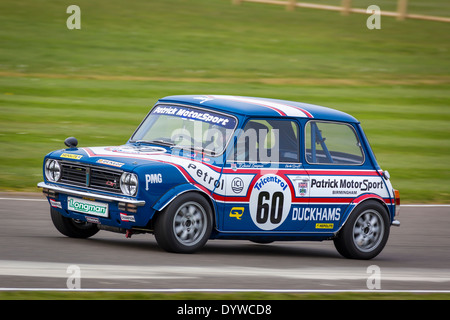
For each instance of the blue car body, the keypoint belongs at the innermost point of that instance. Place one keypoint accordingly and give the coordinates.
(307, 194)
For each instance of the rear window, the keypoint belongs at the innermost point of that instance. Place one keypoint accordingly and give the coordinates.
(332, 143)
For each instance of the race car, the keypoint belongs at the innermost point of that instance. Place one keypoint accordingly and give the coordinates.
(203, 167)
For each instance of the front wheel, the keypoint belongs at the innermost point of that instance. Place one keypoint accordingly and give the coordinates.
(72, 228)
(185, 225)
(365, 233)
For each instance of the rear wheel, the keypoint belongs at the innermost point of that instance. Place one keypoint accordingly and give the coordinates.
(185, 225)
(72, 228)
(365, 233)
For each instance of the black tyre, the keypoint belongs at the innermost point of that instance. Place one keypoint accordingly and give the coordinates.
(185, 225)
(365, 233)
(72, 228)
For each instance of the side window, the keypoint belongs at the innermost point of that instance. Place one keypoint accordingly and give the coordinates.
(267, 141)
(332, 143)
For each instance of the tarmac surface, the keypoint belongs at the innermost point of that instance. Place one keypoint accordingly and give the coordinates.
(34, 255)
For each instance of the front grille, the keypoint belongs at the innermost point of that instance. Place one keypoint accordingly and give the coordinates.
(73, 174)
(105, 180)
(92, 177)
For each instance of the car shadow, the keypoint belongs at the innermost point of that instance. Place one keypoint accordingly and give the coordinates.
(275, 249)
(232, 248)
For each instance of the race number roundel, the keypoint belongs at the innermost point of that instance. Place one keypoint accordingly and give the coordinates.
(270, 202)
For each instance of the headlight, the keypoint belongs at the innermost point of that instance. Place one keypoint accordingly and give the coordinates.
(52, 170)
(129, 184)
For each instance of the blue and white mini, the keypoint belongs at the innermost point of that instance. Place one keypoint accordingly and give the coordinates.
(203, 167)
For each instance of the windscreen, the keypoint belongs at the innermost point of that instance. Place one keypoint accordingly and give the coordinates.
(187, 127)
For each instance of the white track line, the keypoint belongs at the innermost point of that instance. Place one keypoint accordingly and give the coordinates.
(124, 272)
(23, 199)
(425, 206)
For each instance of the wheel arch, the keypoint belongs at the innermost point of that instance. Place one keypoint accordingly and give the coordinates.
(175, 192)
(362, 200)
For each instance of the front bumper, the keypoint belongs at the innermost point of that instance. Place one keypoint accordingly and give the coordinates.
(97, 196)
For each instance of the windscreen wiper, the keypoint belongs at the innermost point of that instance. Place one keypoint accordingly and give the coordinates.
(159, 142)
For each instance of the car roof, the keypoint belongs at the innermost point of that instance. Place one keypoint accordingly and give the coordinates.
(260, 107)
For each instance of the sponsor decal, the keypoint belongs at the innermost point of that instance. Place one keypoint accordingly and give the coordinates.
(237, 212)
(127, 217)
(87, 207)
(303, 188)
(111, 163)
(152, 178)
(197, 114)
(324, 225)
(301, 184)
(271, 178)
(55, 204)
(71, 156)
(270, 202)
(206, 177)
(316, 214)
(237, 185)
(345, 184)
(92, 220)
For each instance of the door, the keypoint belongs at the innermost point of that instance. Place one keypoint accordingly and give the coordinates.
(266, 185)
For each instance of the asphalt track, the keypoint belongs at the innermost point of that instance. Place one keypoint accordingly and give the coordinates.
(33, 255)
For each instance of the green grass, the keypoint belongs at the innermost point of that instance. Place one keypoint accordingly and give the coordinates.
(98, 83)
(45, 295)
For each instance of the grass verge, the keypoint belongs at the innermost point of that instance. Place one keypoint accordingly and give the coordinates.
(43, 295)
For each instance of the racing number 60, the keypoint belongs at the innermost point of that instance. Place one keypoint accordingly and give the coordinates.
(270, 202)
(275, 208)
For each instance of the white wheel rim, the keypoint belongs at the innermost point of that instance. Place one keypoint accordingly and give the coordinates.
(368, 230)
(190, 223)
